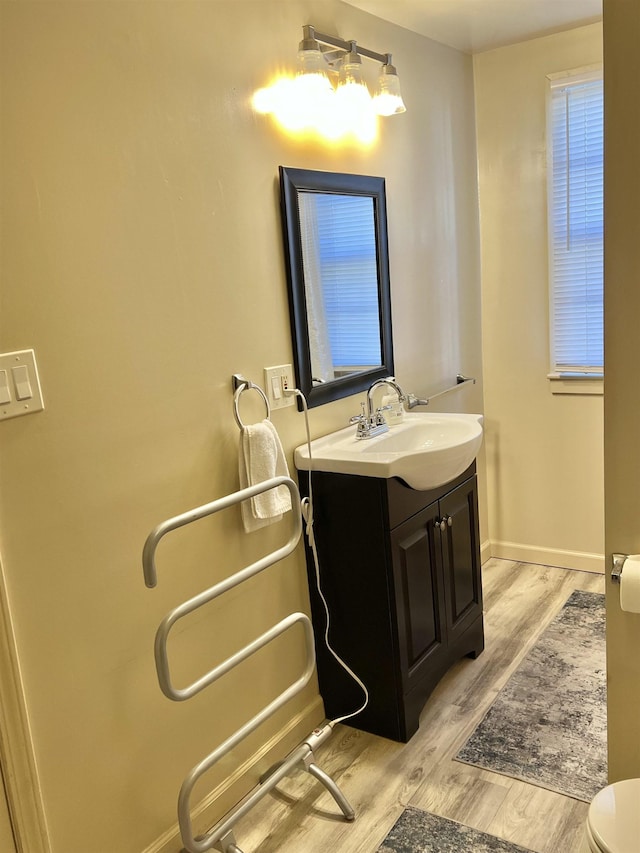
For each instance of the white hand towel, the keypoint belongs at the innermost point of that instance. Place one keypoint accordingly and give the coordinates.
(261, 457)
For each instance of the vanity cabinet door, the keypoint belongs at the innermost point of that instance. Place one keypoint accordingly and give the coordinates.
(419, 596)
(460, 557)
(403, 590)
(438, 594)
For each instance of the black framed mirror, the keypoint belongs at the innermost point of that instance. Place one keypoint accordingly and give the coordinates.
(336, 254)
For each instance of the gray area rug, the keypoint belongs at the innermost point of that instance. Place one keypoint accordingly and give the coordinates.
(548, 725)
(416, 831)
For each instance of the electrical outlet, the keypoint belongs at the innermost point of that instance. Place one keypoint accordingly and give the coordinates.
(276, 379)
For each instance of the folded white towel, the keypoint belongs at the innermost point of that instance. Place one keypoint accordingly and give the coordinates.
(261, 457)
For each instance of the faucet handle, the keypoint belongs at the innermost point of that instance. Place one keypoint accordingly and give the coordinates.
(358, 419)
(412, 401)
(380, 419)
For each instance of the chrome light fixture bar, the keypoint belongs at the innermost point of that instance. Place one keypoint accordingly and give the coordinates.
(345, 57)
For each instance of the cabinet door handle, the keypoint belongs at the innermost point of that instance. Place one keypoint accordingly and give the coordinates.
(441, 524)
(449, 521)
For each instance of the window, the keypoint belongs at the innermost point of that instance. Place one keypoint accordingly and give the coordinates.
(575, 200)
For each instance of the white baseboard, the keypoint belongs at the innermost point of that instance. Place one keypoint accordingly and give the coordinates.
(485, 552)
(232, 790)
(582, 561)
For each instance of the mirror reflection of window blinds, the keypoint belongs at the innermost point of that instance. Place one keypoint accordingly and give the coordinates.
(576, 224)
(347, 260)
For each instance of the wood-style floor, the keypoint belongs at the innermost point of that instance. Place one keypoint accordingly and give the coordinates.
(380, 777)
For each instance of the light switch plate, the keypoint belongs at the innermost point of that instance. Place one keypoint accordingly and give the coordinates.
(276, 379)
(22, 386)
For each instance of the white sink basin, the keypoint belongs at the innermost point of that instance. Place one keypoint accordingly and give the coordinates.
(424, 450)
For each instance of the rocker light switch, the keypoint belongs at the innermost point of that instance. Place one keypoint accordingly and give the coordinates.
(21, 382)
(5, 394)
(20, 392)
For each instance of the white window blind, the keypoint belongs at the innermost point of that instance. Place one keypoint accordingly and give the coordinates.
(349, 275)
(576, 223)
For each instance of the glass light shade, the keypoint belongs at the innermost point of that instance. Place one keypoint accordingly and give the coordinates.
(313, 90)
(351, 71)
(312, 77)
(312, 62)
(354, 107)
(387, 100)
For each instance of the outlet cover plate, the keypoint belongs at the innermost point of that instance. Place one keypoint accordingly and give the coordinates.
(274, 383)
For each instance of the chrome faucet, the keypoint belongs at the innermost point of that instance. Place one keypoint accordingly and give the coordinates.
(391, 382)
(372, 423)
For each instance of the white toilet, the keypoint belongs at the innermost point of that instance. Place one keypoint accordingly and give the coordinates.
(613, 822)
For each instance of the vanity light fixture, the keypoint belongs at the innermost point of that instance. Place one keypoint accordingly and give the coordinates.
(310, 101)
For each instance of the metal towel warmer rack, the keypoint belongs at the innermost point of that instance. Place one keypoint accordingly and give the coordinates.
(221, 836)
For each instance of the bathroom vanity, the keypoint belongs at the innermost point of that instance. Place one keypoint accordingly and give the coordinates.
(400, 569)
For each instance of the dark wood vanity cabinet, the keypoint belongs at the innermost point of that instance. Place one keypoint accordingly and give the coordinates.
(400, 570)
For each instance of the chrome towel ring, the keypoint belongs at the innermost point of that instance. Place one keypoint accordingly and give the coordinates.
(241, 384)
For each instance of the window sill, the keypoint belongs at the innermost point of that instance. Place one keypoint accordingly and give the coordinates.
(576, 383)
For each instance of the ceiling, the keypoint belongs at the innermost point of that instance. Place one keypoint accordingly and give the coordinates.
(473, 26)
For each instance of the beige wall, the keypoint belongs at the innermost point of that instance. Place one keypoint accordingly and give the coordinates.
(622, 358)
(141, 258)
(544, 450)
